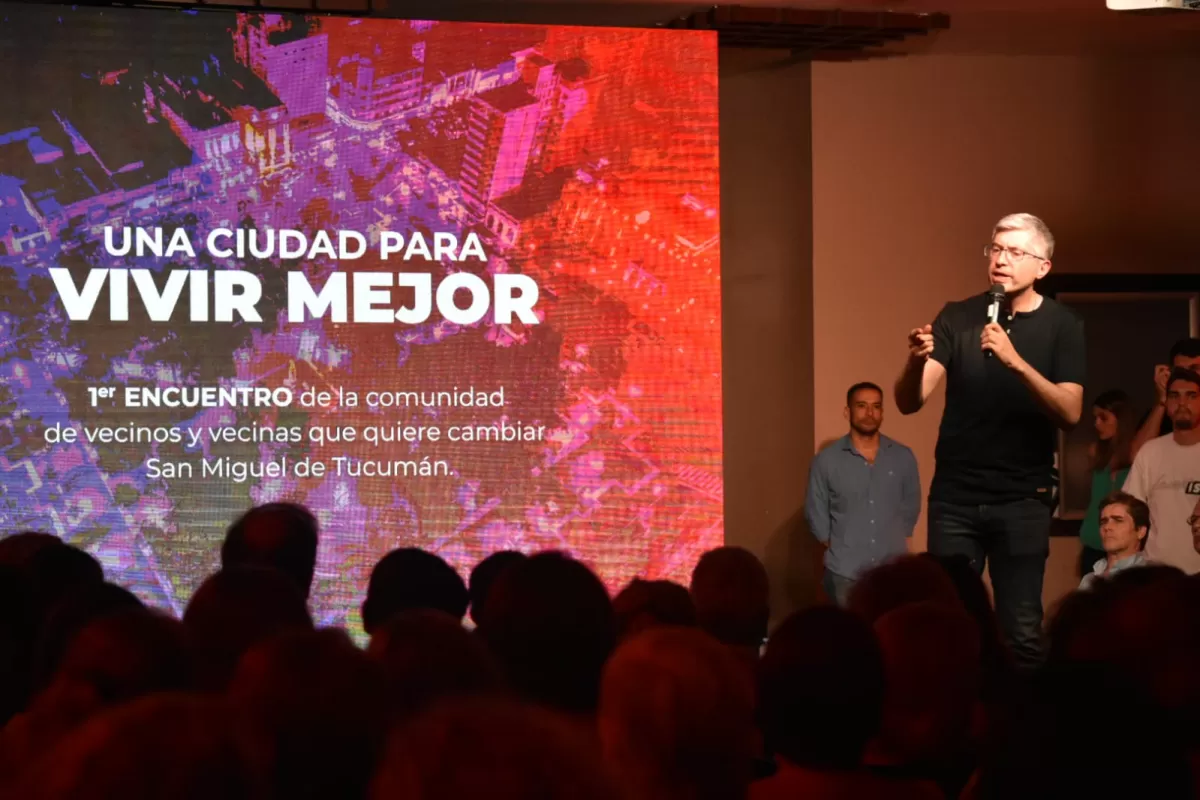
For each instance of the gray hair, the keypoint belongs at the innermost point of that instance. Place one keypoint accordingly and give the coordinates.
(1028, 222)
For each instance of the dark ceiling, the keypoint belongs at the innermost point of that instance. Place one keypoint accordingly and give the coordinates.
(811, 33)
(804, 32)
(809, 30)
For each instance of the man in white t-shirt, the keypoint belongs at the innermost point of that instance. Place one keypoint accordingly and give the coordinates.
(1194, 521)
(1166, 476)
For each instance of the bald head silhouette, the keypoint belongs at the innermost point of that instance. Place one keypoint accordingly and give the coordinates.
(281, 536)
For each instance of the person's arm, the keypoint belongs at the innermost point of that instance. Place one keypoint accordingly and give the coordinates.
(1062, 401)
(1136, 482)
(1152, 425)
(910, 493)
(1149, 429)
(816, 501)
(920, 378)
(928, 355)
(1061, 398)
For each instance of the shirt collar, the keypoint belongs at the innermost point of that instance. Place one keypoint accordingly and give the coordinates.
(848, 444)
(1102, 567)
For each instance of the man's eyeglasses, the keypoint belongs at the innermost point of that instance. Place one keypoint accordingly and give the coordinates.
(1014, 253)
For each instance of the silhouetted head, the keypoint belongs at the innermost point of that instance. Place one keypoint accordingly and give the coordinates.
(164, 745)
(550, 624)
(127, 654)
(490, 749)
(1051, 752)
(645, 604)
(821, 688)
(1082, 627)
(236, 609)
(732, 596)
(282, 536)
(71, 615)
(57, 571)
(312, 713)
(676, 716)
(932, 679)
(484, 576)
(1149, 630)
(899, 582)
(410, 579)
(51, 568)
(18, 631)
(16, 550)
(977, 602)
(428, 655)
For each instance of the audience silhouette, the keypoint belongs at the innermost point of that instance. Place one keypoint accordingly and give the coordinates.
(409, 579)
(664, 691)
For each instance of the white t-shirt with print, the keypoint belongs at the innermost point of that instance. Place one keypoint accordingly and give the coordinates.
(1166, 476)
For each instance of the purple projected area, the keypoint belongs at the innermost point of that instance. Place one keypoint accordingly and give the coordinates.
(583, 160)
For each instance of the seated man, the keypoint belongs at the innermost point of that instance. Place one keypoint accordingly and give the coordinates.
(1124, 527)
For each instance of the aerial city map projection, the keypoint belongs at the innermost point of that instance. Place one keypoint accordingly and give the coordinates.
(449, 285)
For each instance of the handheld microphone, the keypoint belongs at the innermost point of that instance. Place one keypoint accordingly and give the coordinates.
(996, 296)
(995, 300)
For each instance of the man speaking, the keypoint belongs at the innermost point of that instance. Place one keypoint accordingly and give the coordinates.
(1014, 366)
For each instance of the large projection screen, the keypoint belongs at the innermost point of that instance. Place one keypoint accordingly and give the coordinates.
(449, 285)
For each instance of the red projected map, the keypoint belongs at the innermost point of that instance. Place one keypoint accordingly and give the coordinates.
(454, 286)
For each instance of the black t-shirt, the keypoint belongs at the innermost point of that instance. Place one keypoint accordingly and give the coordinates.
(996, 443)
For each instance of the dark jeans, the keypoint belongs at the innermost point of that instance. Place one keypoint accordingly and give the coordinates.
(837, 588)
(1014, 540)
(1088, 559)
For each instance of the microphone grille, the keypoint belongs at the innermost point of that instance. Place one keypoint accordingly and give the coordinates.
(997, 290)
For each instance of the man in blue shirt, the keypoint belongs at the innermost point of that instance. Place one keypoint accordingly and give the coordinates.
(864, 495)
(1124, 527)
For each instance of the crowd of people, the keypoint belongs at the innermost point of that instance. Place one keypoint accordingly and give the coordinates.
(528, 680)
(864, 492)
(1013, 362)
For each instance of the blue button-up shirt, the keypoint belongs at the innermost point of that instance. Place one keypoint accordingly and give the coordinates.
(1102, 569)
(864, 512)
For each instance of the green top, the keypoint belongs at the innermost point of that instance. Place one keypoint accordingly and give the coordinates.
(1103, 482)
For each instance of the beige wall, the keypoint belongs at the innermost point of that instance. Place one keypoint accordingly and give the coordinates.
(915, 158)
(766, 253)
